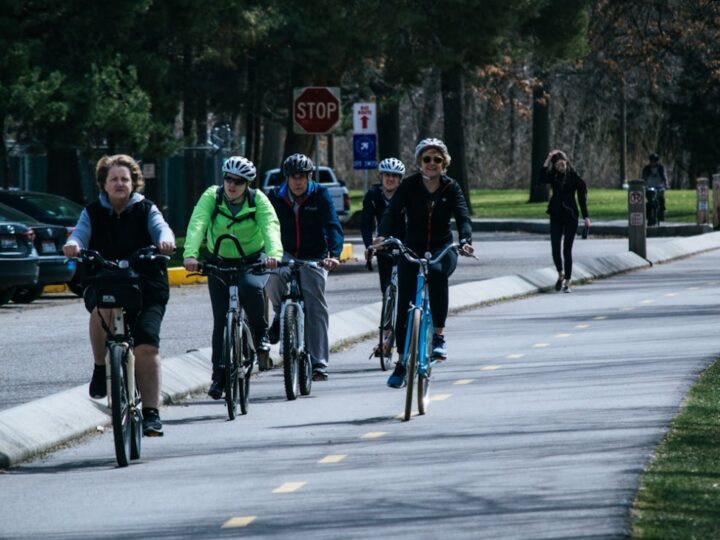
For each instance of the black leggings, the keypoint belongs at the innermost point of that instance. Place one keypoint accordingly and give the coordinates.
(384, 265)
(563, 226)
(437, 287)
(251, 299)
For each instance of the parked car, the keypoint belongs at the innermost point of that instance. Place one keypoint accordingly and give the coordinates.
(18, 259)
(55, 269)
(50, 209)
(340, 195)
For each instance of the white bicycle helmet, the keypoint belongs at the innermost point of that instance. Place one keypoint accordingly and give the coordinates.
(432, 143)
(392, 165)
(240, 166)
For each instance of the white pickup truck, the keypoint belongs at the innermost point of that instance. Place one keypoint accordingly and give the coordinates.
(339, 193)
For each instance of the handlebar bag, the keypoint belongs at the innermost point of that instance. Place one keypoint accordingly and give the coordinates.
(114, 289)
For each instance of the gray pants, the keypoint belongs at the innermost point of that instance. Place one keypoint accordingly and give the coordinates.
(317, 318)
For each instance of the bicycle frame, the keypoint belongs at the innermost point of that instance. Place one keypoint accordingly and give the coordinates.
(422, 303)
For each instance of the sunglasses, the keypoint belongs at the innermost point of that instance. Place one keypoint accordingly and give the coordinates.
(237, 181)
(434, 159)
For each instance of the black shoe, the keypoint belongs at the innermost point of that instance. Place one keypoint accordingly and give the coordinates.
(98, 386)
(558, 284)
(263, 343)
(319, 375)
(152, 426)
(217, 387)
(274, 331)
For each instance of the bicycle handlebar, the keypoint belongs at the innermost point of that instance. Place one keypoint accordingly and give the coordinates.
(412, 257)
(297, 263)
(149, 253)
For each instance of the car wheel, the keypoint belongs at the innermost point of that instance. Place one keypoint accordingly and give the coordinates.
(25, 295)
(6, 295)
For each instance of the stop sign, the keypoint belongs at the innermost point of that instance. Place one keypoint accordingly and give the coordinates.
(316, 109)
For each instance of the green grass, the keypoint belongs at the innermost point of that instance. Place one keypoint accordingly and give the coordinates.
(679, 494)
(603, 204)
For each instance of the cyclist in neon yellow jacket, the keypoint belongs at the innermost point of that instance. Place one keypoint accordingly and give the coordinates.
(234, 208)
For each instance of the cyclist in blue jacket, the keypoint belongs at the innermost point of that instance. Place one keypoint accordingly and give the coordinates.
(310, 230)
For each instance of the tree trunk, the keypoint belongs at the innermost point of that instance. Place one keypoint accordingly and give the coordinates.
(272, 146)
(331, 150)
(295, 142)
(188, 133)
(623, 133)
(540, 142)
(4, 159)
(64, 172)
(388, 127)
(512, 143)
(454, 132)
(427, 115)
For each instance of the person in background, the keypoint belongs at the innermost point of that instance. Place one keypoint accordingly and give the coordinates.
(568, 191)
(234, 208)
(310, 230)
(655, 177)
(119, 223)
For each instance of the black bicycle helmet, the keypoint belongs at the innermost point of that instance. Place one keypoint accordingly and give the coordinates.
(296, 164)
(653, 157)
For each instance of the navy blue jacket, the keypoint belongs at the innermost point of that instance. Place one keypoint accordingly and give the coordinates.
(315, 232)
(374, 205)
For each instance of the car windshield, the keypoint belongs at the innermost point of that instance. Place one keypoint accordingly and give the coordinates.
(56, 207)
(10, 214)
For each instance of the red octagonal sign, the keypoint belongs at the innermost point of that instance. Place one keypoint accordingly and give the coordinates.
(316, 109)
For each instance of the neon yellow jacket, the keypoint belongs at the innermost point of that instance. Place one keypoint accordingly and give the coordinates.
(255, 235)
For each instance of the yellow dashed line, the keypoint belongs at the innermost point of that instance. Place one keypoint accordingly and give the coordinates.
(562, 335)
(373, 435)
(489, 368)
(648, 301)
(693, 288)
(629, 308)
(289, 487)
(540, 345)
(439, 397)
(671, 294)
(463, 381)
(333, 458)
(582, 326)
(600, 318)
(238, 522)
(514, 356)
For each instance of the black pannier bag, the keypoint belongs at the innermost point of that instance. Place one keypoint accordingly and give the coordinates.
(113, 289)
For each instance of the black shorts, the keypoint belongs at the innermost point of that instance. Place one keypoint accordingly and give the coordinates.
(145, 326)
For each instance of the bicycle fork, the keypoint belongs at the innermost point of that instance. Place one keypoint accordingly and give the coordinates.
(128, 360)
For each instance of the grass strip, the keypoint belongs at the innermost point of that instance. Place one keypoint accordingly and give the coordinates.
(679, 494)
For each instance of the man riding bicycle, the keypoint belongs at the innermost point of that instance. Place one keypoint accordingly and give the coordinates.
(117, 225)
(310, 230)
(234, 208)
(429, 199)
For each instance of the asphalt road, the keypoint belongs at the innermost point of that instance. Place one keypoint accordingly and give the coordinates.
(543, 417)
(44, 346)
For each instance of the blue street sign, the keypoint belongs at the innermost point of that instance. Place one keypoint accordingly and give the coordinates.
(364, 151)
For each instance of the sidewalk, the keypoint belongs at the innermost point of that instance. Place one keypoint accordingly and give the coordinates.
(40, 426)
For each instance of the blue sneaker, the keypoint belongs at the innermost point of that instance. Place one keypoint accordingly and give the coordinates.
(439, 352)
(397, 379)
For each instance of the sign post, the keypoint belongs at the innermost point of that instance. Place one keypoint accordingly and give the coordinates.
(637, 231)
(716, 200)
(702, 200)
(365, 138)
(316, 111)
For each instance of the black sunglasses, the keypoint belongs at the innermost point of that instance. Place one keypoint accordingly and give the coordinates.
(434, 159)
(237, 181)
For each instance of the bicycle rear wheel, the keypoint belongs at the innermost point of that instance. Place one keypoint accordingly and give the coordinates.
(231, 352)
(424, 376)
(387, 328)
(291, 358)
(411, 366)
(245, 369)
(119, 405)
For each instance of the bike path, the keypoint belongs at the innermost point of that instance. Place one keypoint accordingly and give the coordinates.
(39, 426)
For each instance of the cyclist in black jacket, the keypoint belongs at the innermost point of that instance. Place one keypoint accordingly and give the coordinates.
(390, 173)
(563, 209)
(429, 199)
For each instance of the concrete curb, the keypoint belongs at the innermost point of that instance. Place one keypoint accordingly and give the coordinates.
(39, 426)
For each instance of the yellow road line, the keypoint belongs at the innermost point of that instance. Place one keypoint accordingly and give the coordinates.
(333, 458)
(540, 345)
(238, 522)
(693, 288)
(562, 335)
(628, 308)
(463, 381)
(439, 397)
(514, 356)
(648, 301)
(373, 434)
(582, 326)
(489, 368)
(671, 294)
(289, 487)
(600, 318)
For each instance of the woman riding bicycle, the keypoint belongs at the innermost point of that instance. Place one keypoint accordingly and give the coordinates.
(118, 224)
(234, 208)
(429, 199)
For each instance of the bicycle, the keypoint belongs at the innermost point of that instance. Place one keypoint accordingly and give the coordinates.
(388, 314)
(116, 287)
(417, 355)
(238, 352)
(297, 364)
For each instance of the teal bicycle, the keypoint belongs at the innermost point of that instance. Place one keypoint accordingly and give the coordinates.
(417, 355)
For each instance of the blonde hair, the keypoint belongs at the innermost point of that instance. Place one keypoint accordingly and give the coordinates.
(105, 163)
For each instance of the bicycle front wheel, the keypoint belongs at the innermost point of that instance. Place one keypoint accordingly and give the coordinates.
(120, 405)
(387, 328)
(291, 357)
(411, 366)
(423, 388)
(245, 370)
(231, 353)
